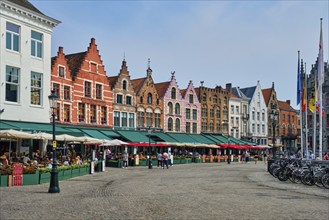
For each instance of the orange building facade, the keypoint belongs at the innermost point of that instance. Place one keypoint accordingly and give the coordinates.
(80, 82)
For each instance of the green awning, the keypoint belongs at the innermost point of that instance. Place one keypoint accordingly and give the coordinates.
(111, 134)
(182, 138)
(164, 137)
(202, 139)
(4, 126)
(215, 140)
(34, 127)
(95, 134)
(221, 139)
(134, 136)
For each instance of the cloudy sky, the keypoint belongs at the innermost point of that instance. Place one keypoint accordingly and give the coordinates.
(219, 42)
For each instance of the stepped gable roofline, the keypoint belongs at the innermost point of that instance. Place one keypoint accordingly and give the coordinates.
(267, 95)
(138, 84)
(285, 106)
(112, 80)
(27, 9)
(162, 88)
(74, 62)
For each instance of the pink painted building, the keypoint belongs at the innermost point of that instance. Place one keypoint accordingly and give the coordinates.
(191, 109)
(172, 101)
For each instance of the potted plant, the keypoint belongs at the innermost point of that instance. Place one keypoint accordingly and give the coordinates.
(30, 175)
(44, 174)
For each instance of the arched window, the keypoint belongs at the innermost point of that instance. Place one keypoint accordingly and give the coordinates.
(173, 93)
(215, 99)
(204, 97)
(149, 98)
(141, 99)
(177, 124)
(170, 108)
(170, 124)
(124, 85)
(177, 109)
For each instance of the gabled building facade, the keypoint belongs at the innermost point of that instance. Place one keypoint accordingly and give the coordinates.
(214, 109)
(243, 110)
(171, 99)
(80, 82)
(273, 116)
(191, 107)
(258, 114)
(148, 105)
(288, 126)
(25, 61)
(124, 99)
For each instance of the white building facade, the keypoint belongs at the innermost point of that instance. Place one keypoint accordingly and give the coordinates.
(25, 62)
(257, 123)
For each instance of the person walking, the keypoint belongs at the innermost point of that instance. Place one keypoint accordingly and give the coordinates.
(165, 160)
(256, 158)
(265, 157)
(159, 158)
(169, 158)
(125, 159)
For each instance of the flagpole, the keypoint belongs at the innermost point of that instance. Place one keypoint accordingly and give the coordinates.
(306, 129)
(314, 118)
(320, 76)
(300, 106)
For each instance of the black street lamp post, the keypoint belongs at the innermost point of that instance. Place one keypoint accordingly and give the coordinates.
(54, 185)
(150, 151)
(274, 118)
(229, 153)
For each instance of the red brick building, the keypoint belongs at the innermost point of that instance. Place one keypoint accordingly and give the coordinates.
(80, 82)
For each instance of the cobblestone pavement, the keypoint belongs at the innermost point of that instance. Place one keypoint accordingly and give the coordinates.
(189, 191)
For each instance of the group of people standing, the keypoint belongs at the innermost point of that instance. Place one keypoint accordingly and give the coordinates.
(165, 159)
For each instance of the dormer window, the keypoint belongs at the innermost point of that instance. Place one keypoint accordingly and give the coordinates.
(93, 67)
(149, 98)
(173, 93)
(61, 71)
(124, 85)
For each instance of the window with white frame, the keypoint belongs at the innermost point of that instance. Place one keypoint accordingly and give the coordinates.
(67, 113)
(116, 119)
(188, 113)
(99, 91)
(148, 119)
(93, 114)
(61, 71)
(170, 124)
(103, 115)
(36, 44)
(131, 120)
(128, 100)
(177, 125)
(119, 99)
(36, 88)
(12, 84)
(194, 128)
(67, 93)
(157, 120)
(188, 127)
(87, 89)
(12, 36)
(194, 114)
(124, 119)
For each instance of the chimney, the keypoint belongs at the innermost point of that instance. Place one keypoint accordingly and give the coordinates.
(288, 101)
(60, 50)
(228, 87)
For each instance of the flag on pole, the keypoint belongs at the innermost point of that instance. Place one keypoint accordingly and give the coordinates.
(313, 100)
(298, 81)
(304, 92)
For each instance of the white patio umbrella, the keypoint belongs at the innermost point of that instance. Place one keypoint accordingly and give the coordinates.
(42, 135)
(89, 140)
(15, 134)
(66, 137)
(114, 142)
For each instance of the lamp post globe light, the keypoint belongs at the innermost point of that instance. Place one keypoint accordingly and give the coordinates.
(54, 186)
